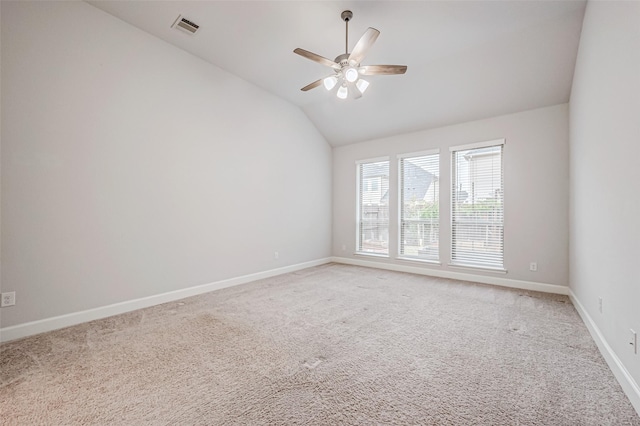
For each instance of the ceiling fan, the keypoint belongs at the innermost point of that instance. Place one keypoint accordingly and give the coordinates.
(347, 68)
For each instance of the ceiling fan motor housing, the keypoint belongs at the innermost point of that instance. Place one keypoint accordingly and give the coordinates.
(343, 60)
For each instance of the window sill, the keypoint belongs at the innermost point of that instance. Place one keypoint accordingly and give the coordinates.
(416, 259)
(364, 253)
(478, 268)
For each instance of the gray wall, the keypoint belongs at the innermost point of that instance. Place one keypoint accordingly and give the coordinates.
(536, 190)
(605, 175)
(131, 168)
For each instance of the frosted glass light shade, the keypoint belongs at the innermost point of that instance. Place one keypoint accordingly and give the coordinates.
(362, 85)
(351, 75)
(329, 82)
(342, 92)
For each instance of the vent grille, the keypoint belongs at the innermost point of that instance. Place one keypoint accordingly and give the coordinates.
(185, 25)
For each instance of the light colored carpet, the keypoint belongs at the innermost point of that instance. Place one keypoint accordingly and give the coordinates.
(333, 344)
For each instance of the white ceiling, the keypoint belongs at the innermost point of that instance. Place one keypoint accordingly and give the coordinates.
(466, 60)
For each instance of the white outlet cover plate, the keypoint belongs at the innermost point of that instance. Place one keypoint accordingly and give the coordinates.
(8, 299)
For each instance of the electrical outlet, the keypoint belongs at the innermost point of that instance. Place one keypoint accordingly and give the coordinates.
(8, 299)
(344, 247)
(533, 266)
(276, 255)
(633, 341)
(600, 304)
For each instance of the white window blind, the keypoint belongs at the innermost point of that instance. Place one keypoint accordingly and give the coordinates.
(373, 207)
(477, 206)
(419, 206)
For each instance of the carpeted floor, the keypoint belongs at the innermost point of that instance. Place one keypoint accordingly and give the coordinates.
(333, 344)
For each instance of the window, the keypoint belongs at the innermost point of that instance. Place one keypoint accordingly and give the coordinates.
(373, 207)
(419, 206)
(477, 207)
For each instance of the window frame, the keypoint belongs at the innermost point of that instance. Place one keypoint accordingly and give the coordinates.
(400, 158)
(452, 151)
(359, 164)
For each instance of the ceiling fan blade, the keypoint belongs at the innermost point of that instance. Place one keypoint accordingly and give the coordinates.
(312, 85)
(363, 45)
(382, 69)
(317, 58)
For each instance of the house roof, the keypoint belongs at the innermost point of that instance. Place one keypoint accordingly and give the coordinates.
(416, 181)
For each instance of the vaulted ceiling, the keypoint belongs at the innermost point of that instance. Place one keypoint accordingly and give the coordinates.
(466, 60)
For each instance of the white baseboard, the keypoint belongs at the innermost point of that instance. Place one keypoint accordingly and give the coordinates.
(484, 279)
(54, 323)
(628, 384)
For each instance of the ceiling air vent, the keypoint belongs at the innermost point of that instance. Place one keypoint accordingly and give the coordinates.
(185, 25)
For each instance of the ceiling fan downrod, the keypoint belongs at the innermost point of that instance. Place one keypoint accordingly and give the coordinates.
(346, 17)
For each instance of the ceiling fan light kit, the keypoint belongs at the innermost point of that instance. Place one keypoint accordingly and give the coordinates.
(347, 68)
(330, 82)
(342, 92)
(362, 85)
(351, 75)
